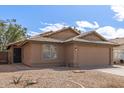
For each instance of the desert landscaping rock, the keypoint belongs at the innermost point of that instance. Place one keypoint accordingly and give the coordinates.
(58, 77)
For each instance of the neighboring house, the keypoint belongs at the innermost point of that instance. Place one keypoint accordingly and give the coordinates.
(118, 51)
(63, 47)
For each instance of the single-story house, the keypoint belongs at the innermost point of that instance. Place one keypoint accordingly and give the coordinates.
(118, 51)
(63, 47)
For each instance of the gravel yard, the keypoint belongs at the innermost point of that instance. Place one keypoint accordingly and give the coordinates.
(56, 77)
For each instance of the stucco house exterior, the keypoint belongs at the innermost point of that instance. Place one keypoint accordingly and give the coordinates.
(63, 47)
(118, 51)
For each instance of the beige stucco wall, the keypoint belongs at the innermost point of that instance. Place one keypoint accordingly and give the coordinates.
(118, 53)
(64, 35)
(69, 55)
(92, 37)
(33, 55)
(90, 55)
(26, 54)
(36, 55)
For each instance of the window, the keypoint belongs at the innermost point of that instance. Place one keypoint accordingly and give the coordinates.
(49, 51)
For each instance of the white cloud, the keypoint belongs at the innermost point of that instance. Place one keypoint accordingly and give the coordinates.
(44, 23)
(32, 33)
(85, 24)
(111, 32)
(81, 25)
(53, 27)
(108, 32)
(119, 10)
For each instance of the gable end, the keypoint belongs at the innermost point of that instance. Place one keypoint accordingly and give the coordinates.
(64, 34)
(93, 36)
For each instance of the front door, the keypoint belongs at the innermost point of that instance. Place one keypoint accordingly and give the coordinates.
(17, 55)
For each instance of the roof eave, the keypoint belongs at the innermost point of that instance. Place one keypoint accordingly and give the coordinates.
(45, 41)
(93, 43)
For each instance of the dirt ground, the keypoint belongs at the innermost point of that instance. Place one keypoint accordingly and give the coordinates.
(56, 77)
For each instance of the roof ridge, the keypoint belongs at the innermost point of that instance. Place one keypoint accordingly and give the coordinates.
(64, 28)
(52, 32)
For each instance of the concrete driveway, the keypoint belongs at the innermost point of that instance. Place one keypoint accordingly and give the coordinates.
(115, 69)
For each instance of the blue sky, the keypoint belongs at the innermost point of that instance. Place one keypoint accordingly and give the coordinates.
(41, 18)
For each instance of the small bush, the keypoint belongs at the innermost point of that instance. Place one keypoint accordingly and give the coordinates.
(30, 82)
(16, 80)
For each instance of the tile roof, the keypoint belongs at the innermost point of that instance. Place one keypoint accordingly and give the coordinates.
(63, 29)
(90, 32)
(117, 40)
(88, 41)
(43, 38)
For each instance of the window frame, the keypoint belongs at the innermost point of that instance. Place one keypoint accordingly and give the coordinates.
(52, 53)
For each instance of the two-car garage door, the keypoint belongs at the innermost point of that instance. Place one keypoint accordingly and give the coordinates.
(92, 55)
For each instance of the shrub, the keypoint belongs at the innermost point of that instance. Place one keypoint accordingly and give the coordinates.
(30, 82)
(16, 80)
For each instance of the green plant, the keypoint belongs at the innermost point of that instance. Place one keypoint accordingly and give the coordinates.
(16, 80)
(30, 82)
(11, 31)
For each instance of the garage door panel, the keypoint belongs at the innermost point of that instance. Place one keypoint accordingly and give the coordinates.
(93, 55)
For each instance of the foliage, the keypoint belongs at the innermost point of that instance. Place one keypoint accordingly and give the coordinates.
(30, 82)
(16, 80)
(10, 32)
(25, 83)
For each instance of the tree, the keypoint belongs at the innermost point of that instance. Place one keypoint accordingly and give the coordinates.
(10, 32)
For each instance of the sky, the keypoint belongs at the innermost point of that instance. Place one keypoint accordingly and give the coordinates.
(106, 20)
